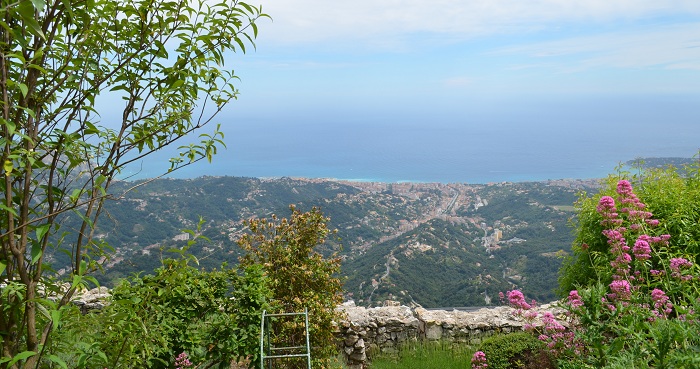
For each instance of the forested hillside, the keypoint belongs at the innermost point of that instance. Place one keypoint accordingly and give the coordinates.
(435, 245)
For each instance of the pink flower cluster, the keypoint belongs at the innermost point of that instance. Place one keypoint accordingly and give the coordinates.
(606, 208)
(557, 337)
(479, 360)
(662, 303)
(632, 207)
(182, 361)
(621, 290)
(516, 299)
(574, 300)
(677, 266)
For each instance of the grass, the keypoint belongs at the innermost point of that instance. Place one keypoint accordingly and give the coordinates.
(426, 355)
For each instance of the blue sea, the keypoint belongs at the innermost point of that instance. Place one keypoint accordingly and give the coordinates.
(519, 143)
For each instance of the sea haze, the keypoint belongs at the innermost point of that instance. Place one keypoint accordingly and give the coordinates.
(502, 142)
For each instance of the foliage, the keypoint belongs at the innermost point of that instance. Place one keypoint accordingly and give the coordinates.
(159, 64)
(638, 305)
(298, 276)
(674, 200)
(213, 317)
(515, 350)
(424, 355)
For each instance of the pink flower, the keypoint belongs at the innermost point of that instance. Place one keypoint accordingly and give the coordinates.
(624, 187)
(662, 303)
(621, 290)
(516, 299)
(574, 299)
(182, 361)
(479, 360)
(641, 249)
(678, 263)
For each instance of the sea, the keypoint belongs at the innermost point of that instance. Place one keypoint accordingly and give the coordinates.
(533, 145)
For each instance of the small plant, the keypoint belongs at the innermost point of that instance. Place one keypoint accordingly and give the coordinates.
(515, 350)
(479, 360)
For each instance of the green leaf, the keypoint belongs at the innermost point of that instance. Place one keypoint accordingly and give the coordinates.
(26, 11)
(8, 166)
(21, 356)
(3, 265)
(58, 361)
(11, 126)
(10, 210)
(55, 317)
(75, 195)
(42, 230)
(36, 252)
(39, 4)
(24, 89)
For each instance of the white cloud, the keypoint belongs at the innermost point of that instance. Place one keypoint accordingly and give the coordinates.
(391, 23)
(668, 47)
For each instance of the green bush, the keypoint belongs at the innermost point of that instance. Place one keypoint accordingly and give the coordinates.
(515, 350)
(299, 277)
(211, 316)
(674, 201)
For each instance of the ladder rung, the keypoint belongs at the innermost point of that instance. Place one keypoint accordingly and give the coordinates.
(283, 356)
(288, 348)
(284, 314)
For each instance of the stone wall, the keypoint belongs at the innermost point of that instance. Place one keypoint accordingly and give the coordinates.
(384, 329)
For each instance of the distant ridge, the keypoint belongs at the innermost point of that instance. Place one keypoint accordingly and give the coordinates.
(654, 162)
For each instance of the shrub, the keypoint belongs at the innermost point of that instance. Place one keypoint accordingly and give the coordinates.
(178, 313)
(638, 298)
(516, 350)
(299, 276)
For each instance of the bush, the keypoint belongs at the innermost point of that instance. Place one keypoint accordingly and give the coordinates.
(299, 277)
(209, 317)
(637, 275)
(516, 350)
(673, 200)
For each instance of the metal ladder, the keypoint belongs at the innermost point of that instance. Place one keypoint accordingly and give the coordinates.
(269, 352)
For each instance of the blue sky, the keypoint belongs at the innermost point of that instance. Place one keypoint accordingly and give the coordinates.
(415, 61)
(332, 52)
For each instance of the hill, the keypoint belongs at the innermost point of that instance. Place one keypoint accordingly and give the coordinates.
(430, 244)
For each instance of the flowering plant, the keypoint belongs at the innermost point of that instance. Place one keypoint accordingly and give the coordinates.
(641, 309)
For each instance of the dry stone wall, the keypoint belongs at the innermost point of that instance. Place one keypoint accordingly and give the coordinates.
(383, 329)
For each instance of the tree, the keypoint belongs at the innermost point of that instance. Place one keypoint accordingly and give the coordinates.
(299, 277)
(160, 61)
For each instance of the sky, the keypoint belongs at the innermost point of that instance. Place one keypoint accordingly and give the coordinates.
(416, 61)
(352, 52)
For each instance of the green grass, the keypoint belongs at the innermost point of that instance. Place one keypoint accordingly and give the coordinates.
(426, 355)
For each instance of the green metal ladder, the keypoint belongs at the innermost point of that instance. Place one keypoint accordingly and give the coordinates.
(269, 352)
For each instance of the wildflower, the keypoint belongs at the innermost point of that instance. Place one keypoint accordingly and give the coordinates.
(574, 299)
(624, 188)
(182, 361)
(621, 290)
(641, 249)
(676, 265)
(516, 299)
(479, 360)
(662, 303)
